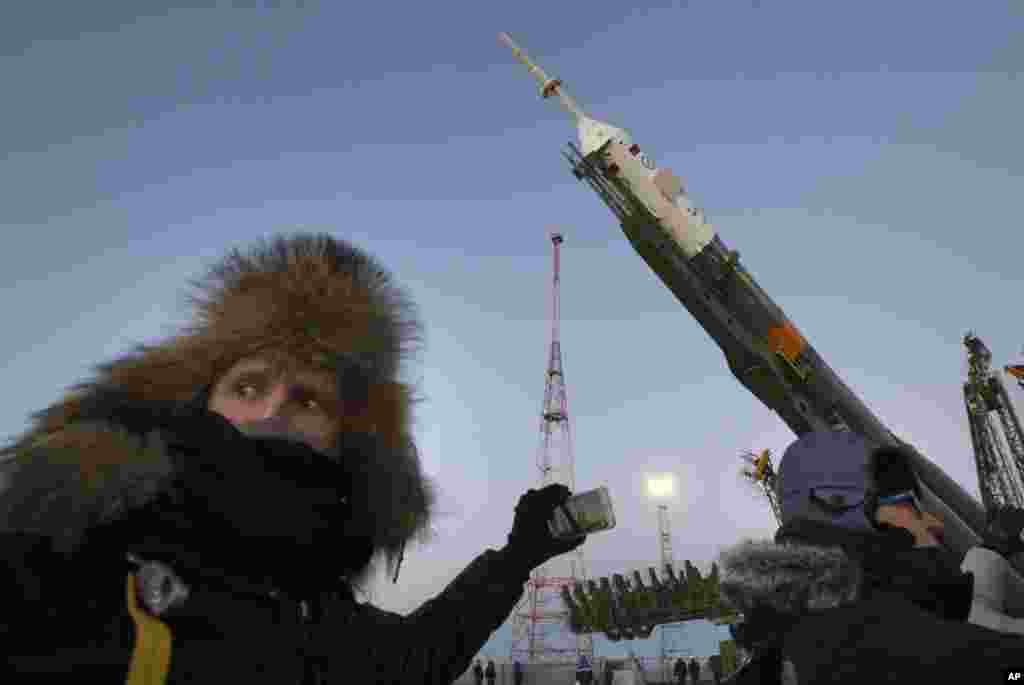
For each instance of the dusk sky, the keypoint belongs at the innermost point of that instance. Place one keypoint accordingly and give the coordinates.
(866, 159)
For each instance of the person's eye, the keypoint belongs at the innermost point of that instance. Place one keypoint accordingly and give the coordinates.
(246, 390)
(309, 402)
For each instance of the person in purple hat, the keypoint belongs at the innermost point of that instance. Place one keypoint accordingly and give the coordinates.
(857, 585)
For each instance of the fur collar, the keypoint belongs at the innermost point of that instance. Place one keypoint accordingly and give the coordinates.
(789, 578)
(812, 567)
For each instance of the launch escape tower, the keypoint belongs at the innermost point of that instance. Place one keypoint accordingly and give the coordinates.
(541, 619)
(995, 431)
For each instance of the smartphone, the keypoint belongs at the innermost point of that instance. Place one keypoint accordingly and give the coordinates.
(582, 514)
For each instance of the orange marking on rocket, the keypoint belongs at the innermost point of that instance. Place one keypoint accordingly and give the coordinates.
(786, 340)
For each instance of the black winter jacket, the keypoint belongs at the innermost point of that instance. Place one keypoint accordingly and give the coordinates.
(69, 620)
(841, 607)
(64, 604)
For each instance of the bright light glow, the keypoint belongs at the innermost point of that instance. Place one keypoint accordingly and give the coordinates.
(660, 486)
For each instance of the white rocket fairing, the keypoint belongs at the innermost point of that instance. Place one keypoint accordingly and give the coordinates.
(658, 189)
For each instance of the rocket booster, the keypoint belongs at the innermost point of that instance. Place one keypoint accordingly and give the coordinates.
(763, 348)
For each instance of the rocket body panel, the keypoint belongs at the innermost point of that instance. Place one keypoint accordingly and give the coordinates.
(648, 186)
(669, 185)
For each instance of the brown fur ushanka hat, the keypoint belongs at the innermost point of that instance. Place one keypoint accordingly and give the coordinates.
(309, 298)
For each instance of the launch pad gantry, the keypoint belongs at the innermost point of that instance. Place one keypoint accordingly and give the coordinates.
(995, 430)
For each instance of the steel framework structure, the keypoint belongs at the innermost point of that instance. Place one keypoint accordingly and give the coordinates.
(995, 430)
(541, 620)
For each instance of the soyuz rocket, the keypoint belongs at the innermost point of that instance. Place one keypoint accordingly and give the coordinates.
(763, 349)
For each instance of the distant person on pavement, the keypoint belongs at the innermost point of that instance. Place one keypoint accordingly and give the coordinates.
(694, 671)
(478, 673)
(679, 671)
(490, 673)
(715, 664)
(584, 671)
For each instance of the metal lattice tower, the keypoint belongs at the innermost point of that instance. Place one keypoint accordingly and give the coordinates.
(541, 620)
(664, 538)
(995, 430)
(668, 630)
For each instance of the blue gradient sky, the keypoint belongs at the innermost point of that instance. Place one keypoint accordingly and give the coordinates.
(865, 159)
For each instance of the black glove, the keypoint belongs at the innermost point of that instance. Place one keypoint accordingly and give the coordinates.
(1004, 531)
(531, 543)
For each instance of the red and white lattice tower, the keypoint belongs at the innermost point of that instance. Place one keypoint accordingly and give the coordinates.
(541, 620)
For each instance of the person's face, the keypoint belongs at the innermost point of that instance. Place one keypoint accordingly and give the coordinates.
(927, 528)
(255, 389)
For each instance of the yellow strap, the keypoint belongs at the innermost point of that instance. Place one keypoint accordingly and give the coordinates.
(151, 657)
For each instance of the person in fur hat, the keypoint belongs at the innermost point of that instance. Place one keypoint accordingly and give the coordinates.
(857, 586)
(203, 509)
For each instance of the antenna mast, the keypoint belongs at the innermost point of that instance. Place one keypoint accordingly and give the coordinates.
(664, 538)
(542, 619)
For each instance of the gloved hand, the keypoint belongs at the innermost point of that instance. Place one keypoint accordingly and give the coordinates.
(531, 543)
(1005, 531)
